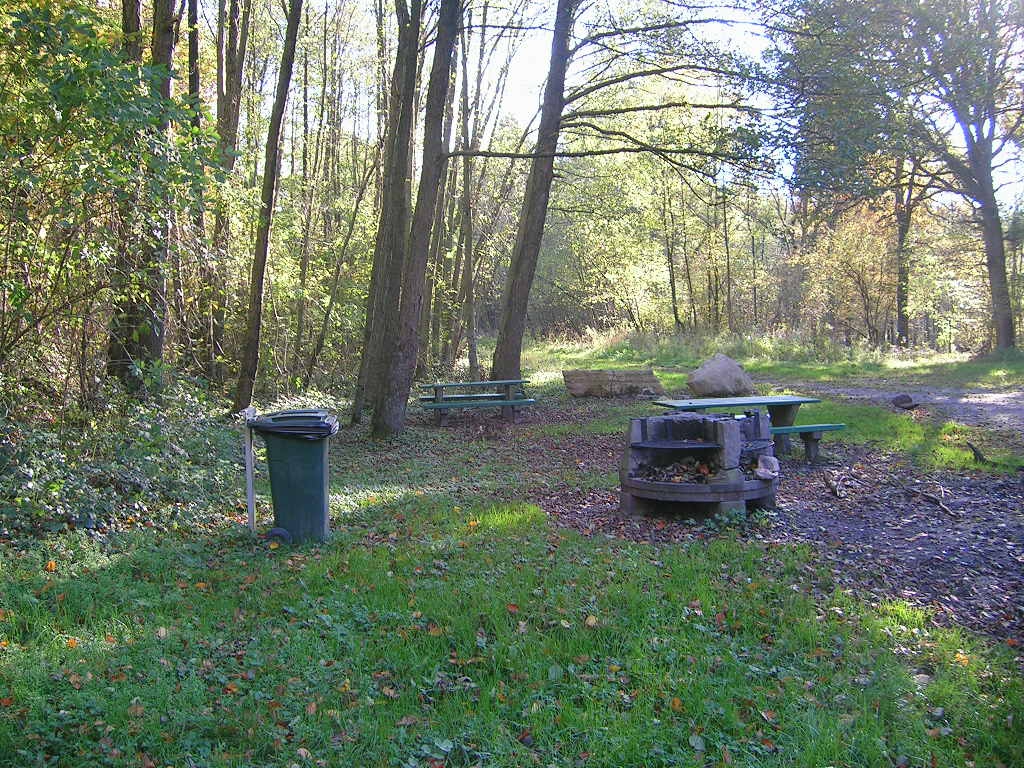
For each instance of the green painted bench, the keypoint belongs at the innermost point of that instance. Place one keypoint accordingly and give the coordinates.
(811, 434)
(506, 394)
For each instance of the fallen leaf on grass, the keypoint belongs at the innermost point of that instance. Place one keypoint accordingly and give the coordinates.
(591, 621)
(51, 566)
(72, 642)
(311, 708)
(408, 720)
(6, 701)
(697, 742)
(512, 608)
(136, 709)
(676, 705)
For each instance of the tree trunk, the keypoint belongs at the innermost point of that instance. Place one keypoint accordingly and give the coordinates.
(196, 328)
(995, 260)
(668, 224)
(307, 210)
(402, 346)
(427, 353)
(137, 325)
(515, 300)
(730, 323)
(271, 165)
(392, 230)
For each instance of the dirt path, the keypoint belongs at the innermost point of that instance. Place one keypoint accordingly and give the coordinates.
(1001, 410)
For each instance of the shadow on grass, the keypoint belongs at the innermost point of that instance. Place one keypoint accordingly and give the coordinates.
(458, 627)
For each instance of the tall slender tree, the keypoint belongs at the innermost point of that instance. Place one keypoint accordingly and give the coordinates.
(402, 344)
(271, 166)
(508, 351)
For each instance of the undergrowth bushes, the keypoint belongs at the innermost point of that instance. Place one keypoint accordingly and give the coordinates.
(117, 465)
(686, 349)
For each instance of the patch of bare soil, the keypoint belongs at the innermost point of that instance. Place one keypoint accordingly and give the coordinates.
(885, 529)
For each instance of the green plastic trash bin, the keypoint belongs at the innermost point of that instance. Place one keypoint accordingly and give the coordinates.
(297, 443)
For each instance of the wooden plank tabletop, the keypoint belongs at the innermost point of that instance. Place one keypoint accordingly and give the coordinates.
(704, 403)
(499, 382)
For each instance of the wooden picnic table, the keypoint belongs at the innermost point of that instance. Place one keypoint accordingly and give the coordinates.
(503, 393)
(782, 409)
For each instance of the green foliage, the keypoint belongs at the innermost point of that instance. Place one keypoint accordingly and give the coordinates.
(475, 633)
(83, 163)
(117, 466)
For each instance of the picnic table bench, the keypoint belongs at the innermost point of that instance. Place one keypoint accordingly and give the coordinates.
(506, 394)
(811, 435)
(782, 410)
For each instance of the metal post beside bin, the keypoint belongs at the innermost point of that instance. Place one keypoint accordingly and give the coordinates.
(297, 443)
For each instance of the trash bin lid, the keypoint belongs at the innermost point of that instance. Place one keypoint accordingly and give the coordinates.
(305, 423)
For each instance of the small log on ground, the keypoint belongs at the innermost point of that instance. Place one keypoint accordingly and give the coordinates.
(612, 383)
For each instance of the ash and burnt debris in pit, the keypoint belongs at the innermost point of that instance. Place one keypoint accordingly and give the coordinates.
(689, 469)
(695, 448)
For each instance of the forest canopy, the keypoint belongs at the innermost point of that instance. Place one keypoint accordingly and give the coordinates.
(348, 195)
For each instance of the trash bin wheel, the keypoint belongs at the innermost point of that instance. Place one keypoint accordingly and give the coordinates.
(280, 533)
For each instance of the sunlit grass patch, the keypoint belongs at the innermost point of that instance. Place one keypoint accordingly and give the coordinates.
(778, 356)
(486, 636)
(934, 445)
(503, 518)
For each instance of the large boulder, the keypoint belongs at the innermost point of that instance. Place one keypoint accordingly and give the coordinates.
(721, 376)
(611, 383)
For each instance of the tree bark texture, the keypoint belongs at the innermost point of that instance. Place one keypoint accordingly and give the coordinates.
(393, 226)
(507, 361)
(249, 363)
(401, 345)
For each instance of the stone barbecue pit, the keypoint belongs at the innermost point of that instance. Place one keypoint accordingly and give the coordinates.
(698, 464)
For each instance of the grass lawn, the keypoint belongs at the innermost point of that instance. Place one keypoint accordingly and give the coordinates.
(933, 445)
(449, 623)
(782, 360)
(436, 633)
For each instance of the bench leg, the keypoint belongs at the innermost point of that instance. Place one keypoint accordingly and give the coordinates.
(442, 417)
(811, 448)
(508, 413)
(783, 445)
